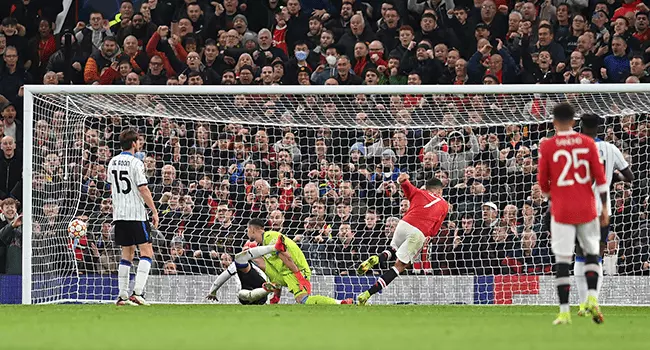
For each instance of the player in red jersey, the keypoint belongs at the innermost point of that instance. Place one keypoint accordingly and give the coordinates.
(569, 163)
(426, 213)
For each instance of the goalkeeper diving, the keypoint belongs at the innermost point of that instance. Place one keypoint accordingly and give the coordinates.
(285, 264)
(249, 268)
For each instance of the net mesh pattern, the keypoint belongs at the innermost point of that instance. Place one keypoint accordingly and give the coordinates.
(322, 169)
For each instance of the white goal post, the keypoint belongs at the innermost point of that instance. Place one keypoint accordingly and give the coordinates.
(319, 163)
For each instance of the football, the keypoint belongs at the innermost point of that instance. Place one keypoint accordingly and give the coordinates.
(77, 228)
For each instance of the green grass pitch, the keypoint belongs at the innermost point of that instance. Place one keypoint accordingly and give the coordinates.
(302, 327)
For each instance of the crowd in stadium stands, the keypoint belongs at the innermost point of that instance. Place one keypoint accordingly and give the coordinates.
(332, 190)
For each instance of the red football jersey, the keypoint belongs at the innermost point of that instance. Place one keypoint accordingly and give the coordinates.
(426, 211)
(568, 165)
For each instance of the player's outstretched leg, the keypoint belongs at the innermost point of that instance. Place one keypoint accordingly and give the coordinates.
(245, 256)
(322, 300)
(382, 282)
(592, 269)
(563, 283)
(386, 255)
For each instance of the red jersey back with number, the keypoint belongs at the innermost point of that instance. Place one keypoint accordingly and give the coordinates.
(427, 211)
(568, 165)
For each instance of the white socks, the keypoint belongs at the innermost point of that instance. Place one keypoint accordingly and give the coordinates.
(141, 276)
(123, 278)
(252, 253)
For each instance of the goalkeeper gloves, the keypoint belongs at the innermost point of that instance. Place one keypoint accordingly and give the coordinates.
(303, 283)
(276, 297)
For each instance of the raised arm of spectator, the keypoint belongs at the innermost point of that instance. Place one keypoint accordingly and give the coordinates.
(527, 60)
(109, 76)
(152, 50)
(152, 45)
(510, 68)
(180, 51)
(408, 61)
(174, 61)
(432, 145)
(475, 68)
(91, 71)
(473, 144)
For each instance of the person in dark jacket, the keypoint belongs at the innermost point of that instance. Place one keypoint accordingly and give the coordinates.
(11, 167)
(435, 34)
(13, 77)
(358, 31)
(68, 59)
(156, 74)
(12, 126)
(418, 59)
(10, 238)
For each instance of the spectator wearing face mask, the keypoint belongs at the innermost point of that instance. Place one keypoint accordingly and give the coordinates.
(303, 57)
(328, 69)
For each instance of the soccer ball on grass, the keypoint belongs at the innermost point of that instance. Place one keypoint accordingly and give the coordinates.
(77, 228)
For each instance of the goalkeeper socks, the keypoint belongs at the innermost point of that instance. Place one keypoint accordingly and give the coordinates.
(319, 300)
(563, 284)
(242, 258)
(581, 282)
(384, 280)
(141, 276)
(123, 278)
(387, 255)
(591, 274)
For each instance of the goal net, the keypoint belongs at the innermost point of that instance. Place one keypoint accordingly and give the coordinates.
(320, 165)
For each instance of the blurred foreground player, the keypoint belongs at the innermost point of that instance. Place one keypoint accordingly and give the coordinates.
(254, 285)
(568, 165)
(424, 217)
(615, 165)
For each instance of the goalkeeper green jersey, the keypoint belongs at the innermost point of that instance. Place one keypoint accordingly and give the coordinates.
(273, 261)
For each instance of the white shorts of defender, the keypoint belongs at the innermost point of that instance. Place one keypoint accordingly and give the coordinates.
(407, 241)
(563, 237)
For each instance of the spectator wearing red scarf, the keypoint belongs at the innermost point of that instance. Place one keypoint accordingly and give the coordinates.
(361, 59)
